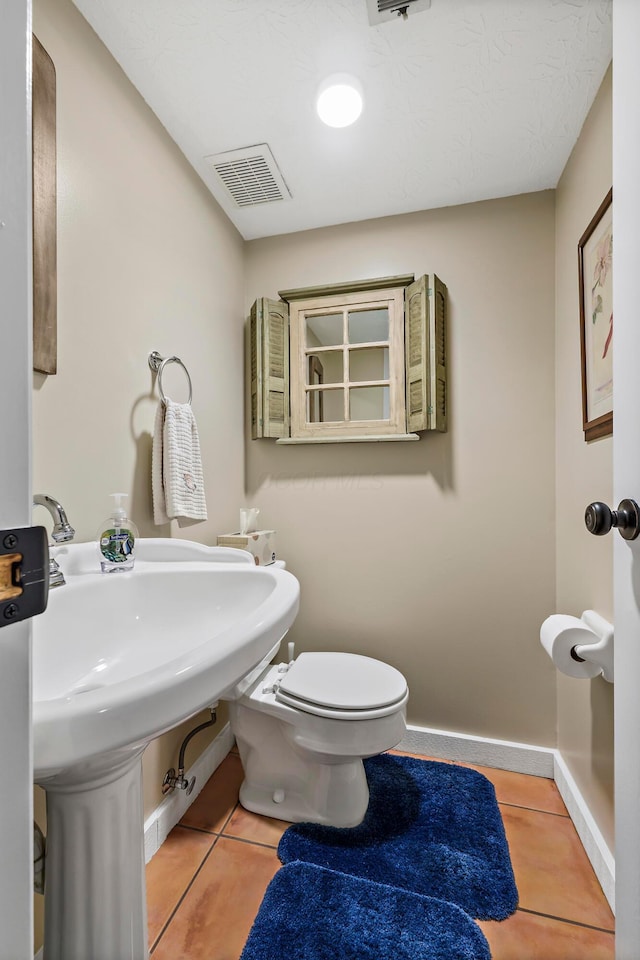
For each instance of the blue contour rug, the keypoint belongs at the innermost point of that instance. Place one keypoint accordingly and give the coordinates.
(432, 828)
(310, 913)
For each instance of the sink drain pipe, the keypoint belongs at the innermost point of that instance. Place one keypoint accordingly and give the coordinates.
(173, 780)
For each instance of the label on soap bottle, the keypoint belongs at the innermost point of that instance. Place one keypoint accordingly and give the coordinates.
(116, 544)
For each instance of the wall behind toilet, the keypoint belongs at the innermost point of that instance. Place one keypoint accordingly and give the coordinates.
(437, 555)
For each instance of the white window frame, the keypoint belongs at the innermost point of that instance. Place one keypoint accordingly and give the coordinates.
(391, 299)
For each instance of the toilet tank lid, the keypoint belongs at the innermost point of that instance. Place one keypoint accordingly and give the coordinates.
(345, 681)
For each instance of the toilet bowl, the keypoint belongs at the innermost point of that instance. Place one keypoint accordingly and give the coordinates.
(303, 729)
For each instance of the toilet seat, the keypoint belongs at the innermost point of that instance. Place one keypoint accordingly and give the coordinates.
(343, 686)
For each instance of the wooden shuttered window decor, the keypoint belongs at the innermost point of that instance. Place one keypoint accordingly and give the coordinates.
(381, 351)
(416, 351)
(425, 354)
(269, 332)
(438, 372)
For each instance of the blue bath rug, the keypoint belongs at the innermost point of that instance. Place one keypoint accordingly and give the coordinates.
(431, 828)
(309, 913)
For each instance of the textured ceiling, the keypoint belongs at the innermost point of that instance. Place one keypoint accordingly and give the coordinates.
(470, 100)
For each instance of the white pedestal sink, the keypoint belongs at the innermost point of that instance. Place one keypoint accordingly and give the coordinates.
(118, 659)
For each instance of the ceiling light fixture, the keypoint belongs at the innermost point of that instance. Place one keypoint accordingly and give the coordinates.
(339, 101)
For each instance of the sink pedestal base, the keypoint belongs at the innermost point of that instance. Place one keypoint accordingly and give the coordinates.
(95, 894)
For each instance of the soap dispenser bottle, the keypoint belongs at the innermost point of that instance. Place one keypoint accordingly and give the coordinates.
(117, 538)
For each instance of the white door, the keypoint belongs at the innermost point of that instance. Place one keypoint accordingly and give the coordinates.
(626, 457)
(16, 831)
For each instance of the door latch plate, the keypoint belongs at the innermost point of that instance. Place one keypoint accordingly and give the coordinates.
(24, 573)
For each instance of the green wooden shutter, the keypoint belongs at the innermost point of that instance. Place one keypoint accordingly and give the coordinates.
(269, 369)
(438, 372)
(416, 319)
(425, 354)
(255, 336)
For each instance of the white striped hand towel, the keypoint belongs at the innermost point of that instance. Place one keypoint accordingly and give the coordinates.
(157, 486)
(176, 470)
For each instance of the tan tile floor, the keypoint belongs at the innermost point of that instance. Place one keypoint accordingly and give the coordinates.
(206, 883)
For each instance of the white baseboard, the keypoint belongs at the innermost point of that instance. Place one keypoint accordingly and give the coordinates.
(523, 758)
(504, 754)
(159, 824)
(602, 860)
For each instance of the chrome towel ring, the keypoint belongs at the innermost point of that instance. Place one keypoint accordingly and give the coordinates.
(158, 363)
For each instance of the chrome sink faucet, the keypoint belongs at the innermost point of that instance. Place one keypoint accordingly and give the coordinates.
(62, 532)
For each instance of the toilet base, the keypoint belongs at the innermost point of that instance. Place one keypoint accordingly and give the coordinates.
(287, 783)
(341, 789)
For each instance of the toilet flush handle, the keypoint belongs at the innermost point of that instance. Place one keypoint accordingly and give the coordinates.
(599, 519)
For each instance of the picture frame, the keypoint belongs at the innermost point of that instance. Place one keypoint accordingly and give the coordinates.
(595, 271)
(45, 310)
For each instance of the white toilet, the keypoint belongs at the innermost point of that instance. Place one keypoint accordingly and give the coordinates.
(303, 729)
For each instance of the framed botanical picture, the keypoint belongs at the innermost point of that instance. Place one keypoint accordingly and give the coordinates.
(595, 261)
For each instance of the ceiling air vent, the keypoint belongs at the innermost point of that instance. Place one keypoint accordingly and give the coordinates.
(250, 175)
(382, 10)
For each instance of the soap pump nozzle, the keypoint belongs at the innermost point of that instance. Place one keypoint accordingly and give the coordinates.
(119, 512)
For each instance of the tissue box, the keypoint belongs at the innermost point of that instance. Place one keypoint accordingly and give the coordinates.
(261, 543)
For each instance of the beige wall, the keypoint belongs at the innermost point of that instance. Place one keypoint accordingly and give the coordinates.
(146, 260)
(437, 556)
(584, 473)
